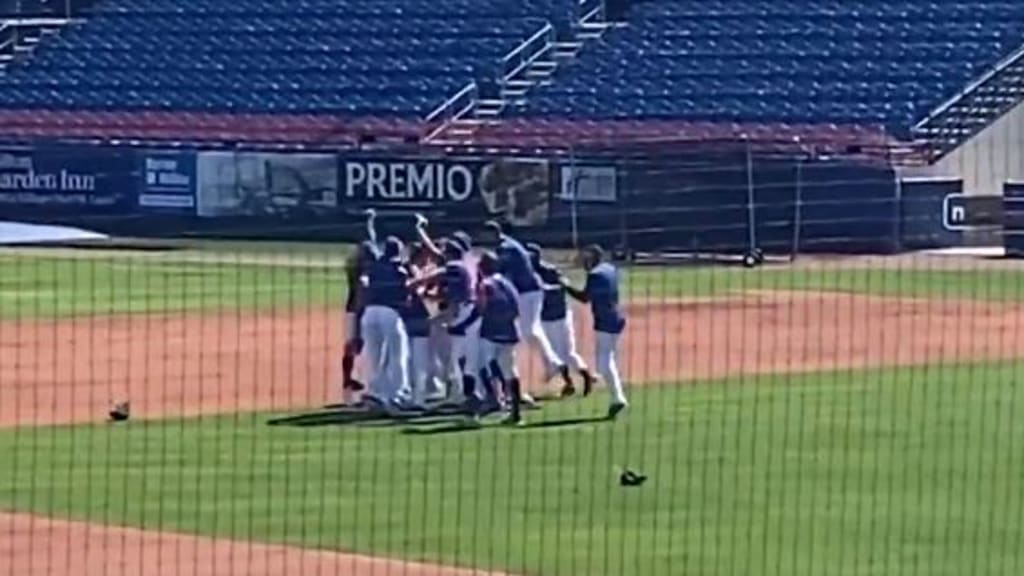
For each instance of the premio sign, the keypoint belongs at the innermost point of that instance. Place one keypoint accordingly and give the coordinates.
(409, 183)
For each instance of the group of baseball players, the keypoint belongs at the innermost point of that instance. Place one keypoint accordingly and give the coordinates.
(440, 323)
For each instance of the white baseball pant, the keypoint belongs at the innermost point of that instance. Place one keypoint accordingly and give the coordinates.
(504, 355)
(419, 370)
(562, 336)
(466, 348)
(606, 352)
(386, 345)
(530, 305)
(441, 368)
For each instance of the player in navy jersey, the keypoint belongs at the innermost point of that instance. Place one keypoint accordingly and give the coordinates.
(556, 319)
(416, 317)
(457, 285)
(602, 293)
(499, 331)
(515, 264)
(385, 339)
(355, 268)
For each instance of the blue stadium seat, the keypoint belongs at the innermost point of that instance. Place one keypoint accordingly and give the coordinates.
(400, 58)
(824, 61)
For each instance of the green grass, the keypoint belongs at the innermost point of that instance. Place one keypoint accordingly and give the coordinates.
(909, 471)
(979, 284)
(46, 285)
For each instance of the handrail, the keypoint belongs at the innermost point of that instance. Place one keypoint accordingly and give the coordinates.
(33, 22)
(440, 110)
(1003, 64)
(546, 33)
(589, 13)
(539, 34)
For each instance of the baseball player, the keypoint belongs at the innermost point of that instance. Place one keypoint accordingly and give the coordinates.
(458, 292)
(416, 318)
(498, 304)
(385, 339)
(515, 264)
(602, 293)
(355, 268)
(557, 321)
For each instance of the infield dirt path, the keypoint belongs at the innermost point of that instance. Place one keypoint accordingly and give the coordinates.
(69, 371)
(54, 372)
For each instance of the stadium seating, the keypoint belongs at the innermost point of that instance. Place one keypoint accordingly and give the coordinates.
(357, 59)
(335, 68)
(820, 61)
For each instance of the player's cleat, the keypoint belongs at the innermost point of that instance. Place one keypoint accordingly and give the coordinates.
(527, 401)
(354, 385)
(567, 391)
(349, 397)
(588, 382)
(472, 421)
(513, 420)
(615, 409)
(630, 478)
(120, 412)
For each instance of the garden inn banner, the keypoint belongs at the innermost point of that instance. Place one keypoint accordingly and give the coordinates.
(84, 179)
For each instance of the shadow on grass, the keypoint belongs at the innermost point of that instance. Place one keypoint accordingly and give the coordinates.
(566, 422)
(344, 416)
(460, 426)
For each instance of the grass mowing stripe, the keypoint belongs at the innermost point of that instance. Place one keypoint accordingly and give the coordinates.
(819, 428)
(36, 286)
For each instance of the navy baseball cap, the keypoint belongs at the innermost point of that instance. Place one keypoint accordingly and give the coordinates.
(463, 240)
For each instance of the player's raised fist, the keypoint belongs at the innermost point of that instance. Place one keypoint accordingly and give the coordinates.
(421, 220)
(370, 213)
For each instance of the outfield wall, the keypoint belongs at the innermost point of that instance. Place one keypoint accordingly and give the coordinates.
(700, 201)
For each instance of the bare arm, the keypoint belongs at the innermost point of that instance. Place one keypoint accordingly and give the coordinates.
(576, 293)
(371, 225)
(428, 242)
(426, 279)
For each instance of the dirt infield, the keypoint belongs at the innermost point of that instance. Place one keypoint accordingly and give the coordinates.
(31, 546)
(69, 371)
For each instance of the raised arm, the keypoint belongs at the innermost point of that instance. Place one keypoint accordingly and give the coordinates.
(424, 237)
(371, 225)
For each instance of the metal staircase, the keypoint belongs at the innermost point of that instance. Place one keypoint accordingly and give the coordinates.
(979, 104)
(19, 38)
(515, 87)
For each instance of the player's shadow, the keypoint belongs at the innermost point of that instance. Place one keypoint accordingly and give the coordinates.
(344, 416)
(460, 426)
(565, 422)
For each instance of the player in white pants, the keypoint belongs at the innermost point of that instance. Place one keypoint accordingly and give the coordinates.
(515, 265)
(386, 342)
(499, 332)
(602, 293)
(556, 319)
(456, 281)
(417, 324)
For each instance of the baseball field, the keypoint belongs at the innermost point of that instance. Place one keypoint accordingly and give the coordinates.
(829, 416)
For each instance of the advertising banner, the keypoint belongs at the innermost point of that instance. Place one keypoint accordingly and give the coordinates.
(266, 184)
(588, 184)
(168, 182)
(517, 191)
(70, 179)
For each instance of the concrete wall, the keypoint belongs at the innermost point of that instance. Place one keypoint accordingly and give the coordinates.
(992, 157)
